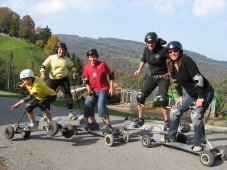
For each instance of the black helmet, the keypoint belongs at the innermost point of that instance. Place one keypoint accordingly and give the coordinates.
(174, 45)
(151, 36)
(60, 45)
(93, 51)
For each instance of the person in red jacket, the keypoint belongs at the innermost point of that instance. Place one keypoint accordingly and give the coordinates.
(95, 79)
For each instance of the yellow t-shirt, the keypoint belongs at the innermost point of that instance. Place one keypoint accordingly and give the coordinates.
(59, 66)
(40, 89)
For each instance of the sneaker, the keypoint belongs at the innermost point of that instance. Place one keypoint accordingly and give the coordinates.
(110, 127)
(72, 116)
(197, 148)
(138, 122)
(31, 125)
(93, 126)
(166, 125)
(165, 138)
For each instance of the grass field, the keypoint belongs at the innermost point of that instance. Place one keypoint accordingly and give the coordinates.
(25, 55)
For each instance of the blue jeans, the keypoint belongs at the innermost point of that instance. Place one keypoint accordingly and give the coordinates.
(99, 97)
(200, 111)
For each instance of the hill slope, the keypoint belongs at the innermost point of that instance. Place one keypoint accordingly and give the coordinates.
(124, 55)
(24, 55)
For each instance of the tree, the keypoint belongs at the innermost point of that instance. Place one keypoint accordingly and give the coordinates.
(79, 68)
(27, 26)
(45, 34)
(14, 25)
(3, 74)
(51, 44)
(39, 43)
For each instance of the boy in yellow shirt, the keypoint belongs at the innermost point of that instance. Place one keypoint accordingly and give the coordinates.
(40, 95)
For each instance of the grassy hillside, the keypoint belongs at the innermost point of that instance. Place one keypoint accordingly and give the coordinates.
(25, 55)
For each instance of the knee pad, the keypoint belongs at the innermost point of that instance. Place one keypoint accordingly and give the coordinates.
(196, 118)
(43, 106)
(162, 101)
(28, 108)
(174, 114)
(140, 98)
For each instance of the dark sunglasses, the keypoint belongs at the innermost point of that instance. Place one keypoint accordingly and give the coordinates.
(173, 50)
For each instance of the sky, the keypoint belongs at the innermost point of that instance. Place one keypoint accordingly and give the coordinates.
(200, 25)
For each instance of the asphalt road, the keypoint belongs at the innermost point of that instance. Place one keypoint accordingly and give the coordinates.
(86, 151)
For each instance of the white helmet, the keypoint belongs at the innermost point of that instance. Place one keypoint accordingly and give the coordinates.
(26, 73)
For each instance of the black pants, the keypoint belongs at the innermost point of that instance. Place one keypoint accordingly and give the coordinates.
(65, 88)
(45, 101)
(151, 83)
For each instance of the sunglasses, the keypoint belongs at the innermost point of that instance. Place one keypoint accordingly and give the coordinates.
(173, 50)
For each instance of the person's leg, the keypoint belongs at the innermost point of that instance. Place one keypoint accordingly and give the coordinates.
(44, 106)
(163, 85)
(102, 109)
(89, 107)
(197, 120)
(65, 87)
(29, 108)
(175, 115)
(143, 93)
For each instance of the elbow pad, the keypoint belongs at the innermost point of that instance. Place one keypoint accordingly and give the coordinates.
(111, 76)
(198, 80)
(42, 68)
(28, 98)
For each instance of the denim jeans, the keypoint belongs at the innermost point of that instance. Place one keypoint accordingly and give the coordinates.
(99, 97)
(199, 127)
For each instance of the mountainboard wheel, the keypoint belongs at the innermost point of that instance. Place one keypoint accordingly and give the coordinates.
(126, 136)
(206, 158)
(109, 140)
(68, 131)
(83, 121)
(26, 134)
(9, 132)
(52, 128)
(181, 138)
(75, 130)
(146, 141)
(185, 127)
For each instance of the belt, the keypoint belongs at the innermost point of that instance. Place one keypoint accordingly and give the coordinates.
(160, 75)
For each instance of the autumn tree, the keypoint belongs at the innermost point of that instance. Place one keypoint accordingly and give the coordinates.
(27, 26)
(51, 44)
(39, 43)
(9, 21)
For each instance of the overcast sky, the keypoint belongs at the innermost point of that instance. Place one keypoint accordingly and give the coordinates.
(200, 25)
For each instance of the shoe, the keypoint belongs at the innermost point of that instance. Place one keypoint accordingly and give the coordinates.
(72, 116)
(138, 122)
(165, 139)
(197, 148)
(110, 127)
(31, 125)
(93, 126)
(166, 125)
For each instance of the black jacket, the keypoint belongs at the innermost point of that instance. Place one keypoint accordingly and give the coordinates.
(184, 78)
(156, 59)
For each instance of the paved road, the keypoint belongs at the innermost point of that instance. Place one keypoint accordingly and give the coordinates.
(85, 151)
